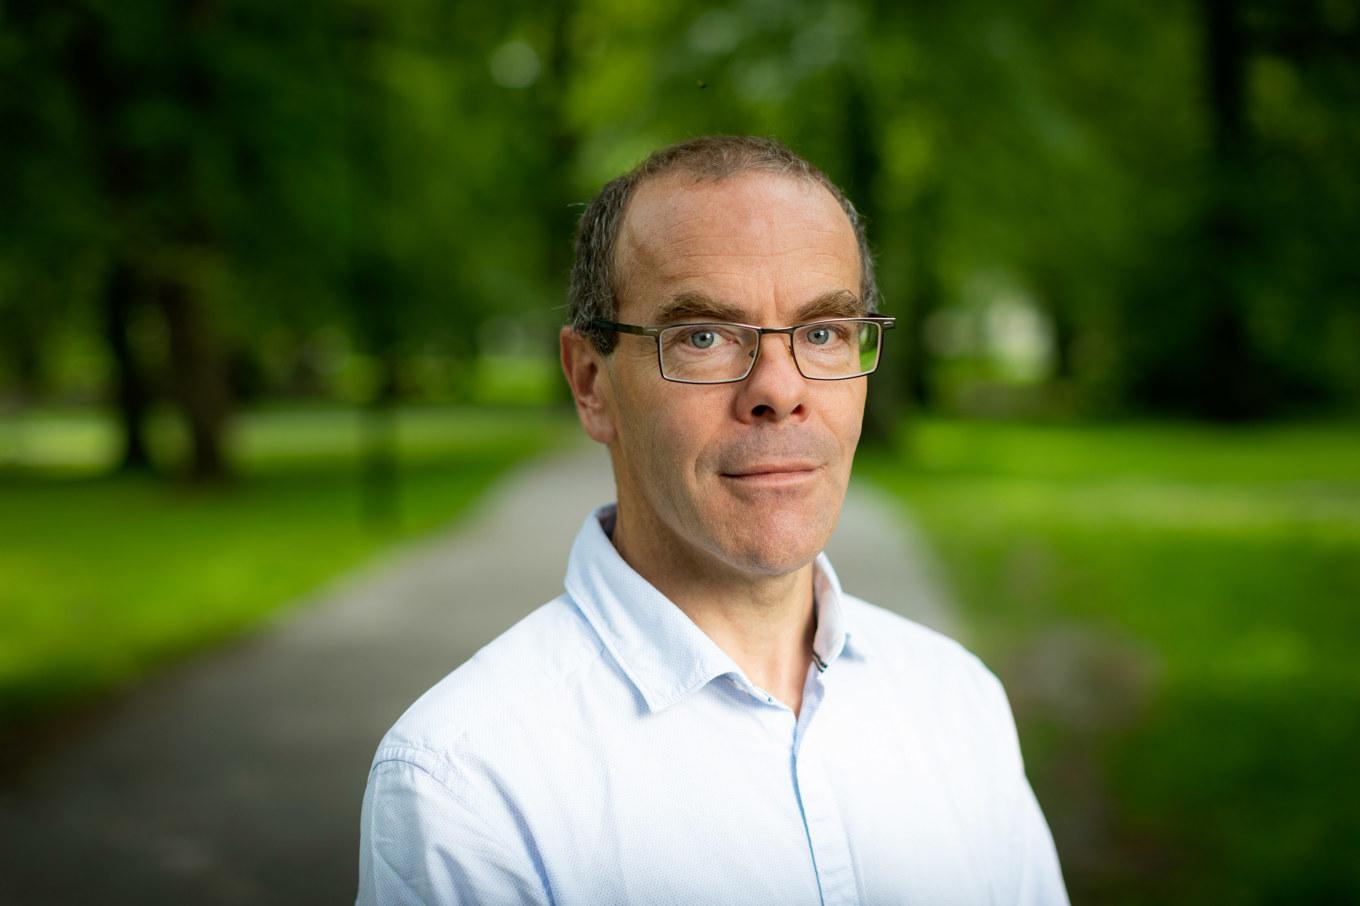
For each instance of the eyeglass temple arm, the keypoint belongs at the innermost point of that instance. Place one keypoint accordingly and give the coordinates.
(626, 328)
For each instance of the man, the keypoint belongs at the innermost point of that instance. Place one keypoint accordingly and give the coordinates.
(705, 716)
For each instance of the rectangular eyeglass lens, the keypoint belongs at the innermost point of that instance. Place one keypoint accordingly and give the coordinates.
(868, 345)
(834, 349)
(706, 352)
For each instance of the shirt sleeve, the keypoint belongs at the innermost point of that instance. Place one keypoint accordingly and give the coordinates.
(1033, 874)
(419, 843)
(1041, 881)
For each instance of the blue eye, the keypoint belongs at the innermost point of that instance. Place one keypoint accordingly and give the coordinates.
(702, 339)
(819, 337)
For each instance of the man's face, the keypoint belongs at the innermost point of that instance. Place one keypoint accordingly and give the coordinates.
(745, 476)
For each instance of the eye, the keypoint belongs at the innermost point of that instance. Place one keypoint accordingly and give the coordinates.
(819, 336)
(703, 339)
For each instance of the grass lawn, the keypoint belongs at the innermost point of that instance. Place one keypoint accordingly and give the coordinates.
(103, 578)
(1175, 611)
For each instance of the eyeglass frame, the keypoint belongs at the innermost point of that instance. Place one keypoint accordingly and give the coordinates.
(883, 322)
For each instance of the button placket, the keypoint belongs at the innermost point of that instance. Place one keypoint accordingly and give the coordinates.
(822, 817)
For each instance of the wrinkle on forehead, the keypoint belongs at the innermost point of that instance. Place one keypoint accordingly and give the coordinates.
(678, 227)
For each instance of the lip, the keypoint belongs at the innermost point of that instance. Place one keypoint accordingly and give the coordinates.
(773, 474)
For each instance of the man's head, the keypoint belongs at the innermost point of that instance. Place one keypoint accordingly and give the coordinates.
(595, 272)
(739, 478)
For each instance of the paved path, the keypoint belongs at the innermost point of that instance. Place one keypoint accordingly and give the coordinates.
(238, 778)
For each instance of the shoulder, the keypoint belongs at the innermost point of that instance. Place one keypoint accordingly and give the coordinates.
(929, 665)
(924, 647)
(518, 680)
(436, 822)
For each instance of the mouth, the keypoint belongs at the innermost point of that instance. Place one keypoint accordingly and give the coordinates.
(772, 474)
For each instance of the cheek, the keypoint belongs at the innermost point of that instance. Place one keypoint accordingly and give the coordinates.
(846, 417)
(676, 432)
(660, 433)
(852, 431)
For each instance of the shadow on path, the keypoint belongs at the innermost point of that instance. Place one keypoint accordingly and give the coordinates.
(238, 778)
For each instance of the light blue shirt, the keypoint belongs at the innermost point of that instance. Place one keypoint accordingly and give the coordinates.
(606, 751)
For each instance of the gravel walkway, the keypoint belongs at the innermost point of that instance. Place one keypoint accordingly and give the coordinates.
(238, 778)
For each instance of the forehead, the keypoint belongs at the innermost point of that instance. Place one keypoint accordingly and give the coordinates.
(753, 240)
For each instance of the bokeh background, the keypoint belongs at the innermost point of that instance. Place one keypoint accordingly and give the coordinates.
(272, 271)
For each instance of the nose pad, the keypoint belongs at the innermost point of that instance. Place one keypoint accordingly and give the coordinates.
(787, 343)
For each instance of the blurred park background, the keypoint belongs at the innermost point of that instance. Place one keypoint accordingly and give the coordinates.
(280, 285)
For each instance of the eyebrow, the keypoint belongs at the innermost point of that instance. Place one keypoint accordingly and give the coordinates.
(691, 306)
(840, 303)
(694, 306)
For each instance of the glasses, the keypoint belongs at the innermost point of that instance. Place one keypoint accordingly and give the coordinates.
(721, 352)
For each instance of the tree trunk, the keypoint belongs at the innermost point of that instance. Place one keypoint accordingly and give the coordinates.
(559, 214)
(101, 92)
(378, 482)
(1064, 339)
(864, 165)
(923, 294)
(1228, 381)
(130, 390)
(199, 383)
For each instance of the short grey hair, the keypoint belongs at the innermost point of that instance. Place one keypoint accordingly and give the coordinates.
(594, 277)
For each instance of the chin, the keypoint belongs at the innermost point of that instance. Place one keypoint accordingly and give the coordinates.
(772, 564)
(779, 546)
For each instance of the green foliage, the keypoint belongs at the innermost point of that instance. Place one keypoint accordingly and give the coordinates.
(1171, 608)
(107, 578)
(402, 172)
(372, 201)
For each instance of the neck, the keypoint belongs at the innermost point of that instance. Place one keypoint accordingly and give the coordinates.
(764, 623)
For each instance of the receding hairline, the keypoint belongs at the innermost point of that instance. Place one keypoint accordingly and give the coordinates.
(593, 292)
(682, 176)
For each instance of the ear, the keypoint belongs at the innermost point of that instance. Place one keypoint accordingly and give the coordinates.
(584, 367)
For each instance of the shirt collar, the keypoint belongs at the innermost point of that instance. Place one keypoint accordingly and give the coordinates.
(662, 651)
(836, 634)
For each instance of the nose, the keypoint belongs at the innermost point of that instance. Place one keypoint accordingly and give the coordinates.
(775, 389)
